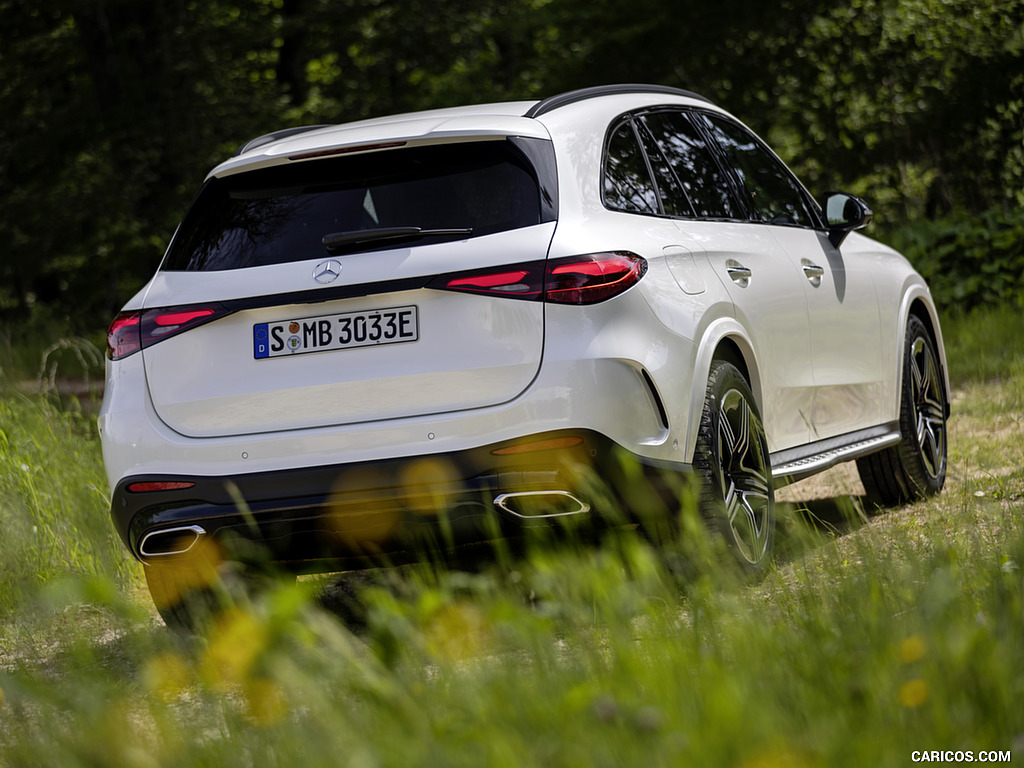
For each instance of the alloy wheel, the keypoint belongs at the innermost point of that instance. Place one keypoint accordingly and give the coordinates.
(743, 476)
(926, 392)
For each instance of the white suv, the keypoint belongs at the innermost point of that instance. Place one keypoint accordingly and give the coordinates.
(418, 328)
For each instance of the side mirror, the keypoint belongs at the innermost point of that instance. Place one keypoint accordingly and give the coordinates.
(843, 214)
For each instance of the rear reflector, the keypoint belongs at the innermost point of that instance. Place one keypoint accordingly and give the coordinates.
(550, 444)
(160, 485)
(132, 331)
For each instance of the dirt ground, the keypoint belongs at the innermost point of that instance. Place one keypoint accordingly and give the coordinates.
(841, 480)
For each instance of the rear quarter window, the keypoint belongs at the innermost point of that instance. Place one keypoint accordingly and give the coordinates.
(627, 184)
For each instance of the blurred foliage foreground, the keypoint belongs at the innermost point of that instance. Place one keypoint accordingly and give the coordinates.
(871, 639)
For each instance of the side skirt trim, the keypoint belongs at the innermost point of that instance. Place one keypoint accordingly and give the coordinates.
(797, 463)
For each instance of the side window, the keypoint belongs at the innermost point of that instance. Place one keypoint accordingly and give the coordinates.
(773, 192)
(694, 164)
(673, 199)
(627, 182)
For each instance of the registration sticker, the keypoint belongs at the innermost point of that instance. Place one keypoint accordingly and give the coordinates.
(369, 328)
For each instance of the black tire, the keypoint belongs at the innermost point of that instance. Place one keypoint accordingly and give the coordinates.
(915, 468)
(737, 496)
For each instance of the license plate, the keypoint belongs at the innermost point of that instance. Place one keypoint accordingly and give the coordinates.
(370, 328)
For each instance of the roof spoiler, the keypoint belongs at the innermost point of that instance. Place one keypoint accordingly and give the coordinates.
(266, 138)
(571, 97)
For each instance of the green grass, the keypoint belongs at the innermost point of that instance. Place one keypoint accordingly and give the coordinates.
(870, 640)
(985, 344)
(53, 500)
(32, 345)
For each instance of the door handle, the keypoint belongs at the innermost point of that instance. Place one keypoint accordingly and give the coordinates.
(813, 271)
(739, 273)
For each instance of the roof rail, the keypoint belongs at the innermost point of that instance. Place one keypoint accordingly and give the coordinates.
(571, 97)
(266, 138)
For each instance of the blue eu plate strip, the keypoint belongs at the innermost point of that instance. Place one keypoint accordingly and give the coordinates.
(260, 341)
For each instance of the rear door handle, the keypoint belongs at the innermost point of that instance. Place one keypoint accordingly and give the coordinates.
(813, 271)
(739, 273)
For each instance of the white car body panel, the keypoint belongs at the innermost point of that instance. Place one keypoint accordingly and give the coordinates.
(845, 333)
(769, 307)
(471, 351)
(591, 390)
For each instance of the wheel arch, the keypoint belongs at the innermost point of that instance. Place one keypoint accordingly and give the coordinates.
(725, 339)
(918, 303)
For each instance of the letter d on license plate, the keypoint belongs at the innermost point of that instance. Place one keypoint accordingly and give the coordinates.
(369, 328)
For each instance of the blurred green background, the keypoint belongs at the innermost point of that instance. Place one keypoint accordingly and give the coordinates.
(114, 110)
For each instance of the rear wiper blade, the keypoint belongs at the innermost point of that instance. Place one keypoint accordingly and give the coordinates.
(339, 240)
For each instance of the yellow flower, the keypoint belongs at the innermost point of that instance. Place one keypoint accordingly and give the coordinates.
(912, 649)
(914, 693)
(167, 676)
(456, 632)
(266, 701)
(236, 641)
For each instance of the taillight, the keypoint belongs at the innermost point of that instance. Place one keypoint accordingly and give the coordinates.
(592, 278)
(123, 337)
(169, 322)
(519, 281)
(585, 279)
(132, 331)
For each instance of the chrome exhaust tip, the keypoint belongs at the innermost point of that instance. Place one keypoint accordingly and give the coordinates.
(538, 504)
(170, 541)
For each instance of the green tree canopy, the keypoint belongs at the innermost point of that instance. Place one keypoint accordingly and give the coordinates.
(114, 110)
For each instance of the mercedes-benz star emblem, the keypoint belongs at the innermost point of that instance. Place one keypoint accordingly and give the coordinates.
(327, 271)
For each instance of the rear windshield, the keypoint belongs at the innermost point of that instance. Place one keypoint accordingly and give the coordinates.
(283, 213)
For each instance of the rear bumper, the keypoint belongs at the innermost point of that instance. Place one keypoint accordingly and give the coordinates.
(355, 515)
